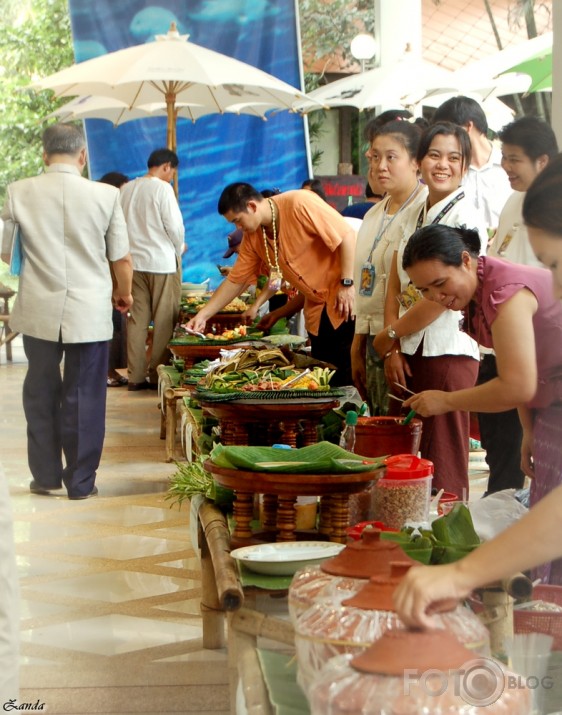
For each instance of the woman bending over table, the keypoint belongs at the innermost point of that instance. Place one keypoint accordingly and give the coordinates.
(509, 308)
(534, 539)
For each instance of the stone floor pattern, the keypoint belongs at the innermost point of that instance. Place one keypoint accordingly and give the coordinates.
(110, 586)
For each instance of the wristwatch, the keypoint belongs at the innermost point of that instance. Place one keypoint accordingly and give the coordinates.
(347, 282)
(391, 333)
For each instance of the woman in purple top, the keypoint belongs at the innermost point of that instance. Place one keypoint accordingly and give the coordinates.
(510, 308)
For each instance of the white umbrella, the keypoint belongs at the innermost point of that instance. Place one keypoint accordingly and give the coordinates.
(486, 78)
(117, 112)
(382, 86)
(172, 70)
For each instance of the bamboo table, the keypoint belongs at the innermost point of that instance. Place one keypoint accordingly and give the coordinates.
(280, 515)
(169, 393)
(223, 595)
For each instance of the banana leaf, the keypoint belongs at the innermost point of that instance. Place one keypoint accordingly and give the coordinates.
(320, 458)
(420, 548)
(456, 528)
(451, 538)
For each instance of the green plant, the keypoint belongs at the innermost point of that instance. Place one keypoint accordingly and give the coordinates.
(190, 479)
(35, 41)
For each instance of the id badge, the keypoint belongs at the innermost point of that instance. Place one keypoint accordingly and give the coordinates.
(409, 297)
(507, 240)
(275, 280)
(367, 284)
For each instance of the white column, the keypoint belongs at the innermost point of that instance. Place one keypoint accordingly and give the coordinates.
(557, 70)
(398, 29)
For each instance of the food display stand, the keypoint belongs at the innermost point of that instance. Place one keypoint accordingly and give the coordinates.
(279, 517)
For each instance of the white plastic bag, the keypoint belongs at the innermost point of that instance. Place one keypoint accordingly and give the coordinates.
(494, 513)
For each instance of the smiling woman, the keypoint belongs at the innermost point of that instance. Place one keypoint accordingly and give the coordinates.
(533, 539)
(423, 345)
(511, 308)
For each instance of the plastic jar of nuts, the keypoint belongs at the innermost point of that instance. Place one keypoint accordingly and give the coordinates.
(404, 493)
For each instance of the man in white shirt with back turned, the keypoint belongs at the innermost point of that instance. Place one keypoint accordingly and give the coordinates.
(156, 236)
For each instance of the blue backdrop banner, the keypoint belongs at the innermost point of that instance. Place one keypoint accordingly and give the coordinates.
(217, 149)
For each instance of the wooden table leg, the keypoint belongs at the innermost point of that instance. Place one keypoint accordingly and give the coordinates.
(270, 506)
(309, 433)
(171, 422)
(286, 518)
(289, 433)
(233, 433)
(212, 615)
(339, 512)
(243, 510)
(325, 520)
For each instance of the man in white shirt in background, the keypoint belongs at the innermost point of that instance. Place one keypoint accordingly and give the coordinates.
(156, 236)
(486, 183)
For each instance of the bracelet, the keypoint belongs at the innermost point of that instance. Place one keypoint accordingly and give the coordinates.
(389, 353)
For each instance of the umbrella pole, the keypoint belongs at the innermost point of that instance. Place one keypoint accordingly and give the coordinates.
(171, 140)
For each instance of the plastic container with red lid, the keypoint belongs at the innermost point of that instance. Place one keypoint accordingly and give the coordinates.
(403, 495)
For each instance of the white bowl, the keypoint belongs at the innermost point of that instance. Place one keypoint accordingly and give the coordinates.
(285, 558)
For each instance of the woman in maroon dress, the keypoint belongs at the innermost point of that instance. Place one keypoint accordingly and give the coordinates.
(510, 308)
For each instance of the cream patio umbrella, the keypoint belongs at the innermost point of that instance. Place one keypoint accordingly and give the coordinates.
(173, 71)
(382, 86)
(117, 112)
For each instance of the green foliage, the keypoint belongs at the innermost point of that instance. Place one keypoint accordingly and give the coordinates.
(328, 26)
(35, 41)
(192, 478)
(450, 538)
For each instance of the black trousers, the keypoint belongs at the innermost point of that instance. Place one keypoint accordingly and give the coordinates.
(65, 413)
(333, 345)
(500, 435)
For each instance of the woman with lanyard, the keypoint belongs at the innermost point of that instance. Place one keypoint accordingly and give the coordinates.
(392, 167)
(423, 346)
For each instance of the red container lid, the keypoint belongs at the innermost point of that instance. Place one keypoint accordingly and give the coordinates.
(407, 466)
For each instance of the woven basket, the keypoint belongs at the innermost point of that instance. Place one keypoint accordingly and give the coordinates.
(542, 621)
(210, 396)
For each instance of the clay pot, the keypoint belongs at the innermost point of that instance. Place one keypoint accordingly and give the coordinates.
(371, 556)
(376, 594)
(396, 651)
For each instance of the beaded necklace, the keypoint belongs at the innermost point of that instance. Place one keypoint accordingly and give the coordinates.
(275, 276)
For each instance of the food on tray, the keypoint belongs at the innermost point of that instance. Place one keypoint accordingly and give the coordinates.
(235, 306)
(239, 332)
(254, 370)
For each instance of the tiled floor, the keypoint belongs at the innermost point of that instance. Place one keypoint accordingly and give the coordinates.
(109, 586)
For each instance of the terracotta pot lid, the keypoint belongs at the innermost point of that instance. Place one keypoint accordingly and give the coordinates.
(398, 650)
(370, 556)
(376, 594)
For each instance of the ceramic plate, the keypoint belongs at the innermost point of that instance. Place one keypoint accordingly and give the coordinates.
(284, 559)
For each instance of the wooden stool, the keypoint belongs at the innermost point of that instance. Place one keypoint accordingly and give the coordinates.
(287, 487)
(6, 335)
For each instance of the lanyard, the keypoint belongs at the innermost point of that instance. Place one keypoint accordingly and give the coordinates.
(442, 213)
(386, 223)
